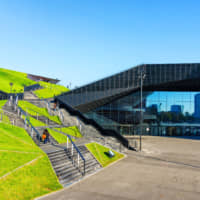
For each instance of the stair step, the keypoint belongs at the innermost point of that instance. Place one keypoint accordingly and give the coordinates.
(68, 182)
(60, 155)
(59, 166)
(70, 177)
(62, 167)
(67, 171)
(59, 162)
(56, 153)
(54, 161)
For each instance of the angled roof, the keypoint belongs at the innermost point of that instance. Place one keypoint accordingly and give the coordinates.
(42, 78)
(159, 77)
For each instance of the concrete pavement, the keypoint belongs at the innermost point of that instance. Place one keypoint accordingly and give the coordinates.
(167, 168)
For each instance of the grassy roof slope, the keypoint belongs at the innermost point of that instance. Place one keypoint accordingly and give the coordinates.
(25, 171)
(101, 154)
(34, 110)
(50, 90)
(18, 79)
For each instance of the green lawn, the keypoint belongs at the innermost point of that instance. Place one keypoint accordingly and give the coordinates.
(18, 79)
(72, 130)
(50, 90)
(2, 103)
(34, 121)
(59, 137)
(34, 110)
(4, 118)
(27, 170)
(99, 153)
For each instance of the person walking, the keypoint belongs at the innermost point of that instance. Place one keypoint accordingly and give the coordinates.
(44, 137)
(47, 136)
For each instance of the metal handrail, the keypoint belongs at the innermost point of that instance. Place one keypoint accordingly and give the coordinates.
(62, 115)
(27, 120)
(37, 115)
(5, 111)
(48, 106)
(40, 115)
(78, 151)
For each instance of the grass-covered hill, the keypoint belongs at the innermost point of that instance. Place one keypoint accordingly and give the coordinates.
(33, 110)
(49, 90)
(25, 171)
(20, 79)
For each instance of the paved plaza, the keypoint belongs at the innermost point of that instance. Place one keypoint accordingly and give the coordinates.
(168, 168)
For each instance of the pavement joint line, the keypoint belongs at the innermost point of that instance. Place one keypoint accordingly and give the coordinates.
(28, 163)
(82, 179)
(168, 161)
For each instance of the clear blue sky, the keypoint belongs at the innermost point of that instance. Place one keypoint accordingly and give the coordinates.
(82, 41)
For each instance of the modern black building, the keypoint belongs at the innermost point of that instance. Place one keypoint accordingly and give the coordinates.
(114, 102)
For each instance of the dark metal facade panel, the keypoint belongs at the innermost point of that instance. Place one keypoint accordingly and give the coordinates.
(158, 76)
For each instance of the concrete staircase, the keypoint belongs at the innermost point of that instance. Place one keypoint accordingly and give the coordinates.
(63, 161)
(41, 104)
(66, 171)
(29, 95)
(14, 119)
(41, 143)
(45, 120)
(90, 133)
(38, 102)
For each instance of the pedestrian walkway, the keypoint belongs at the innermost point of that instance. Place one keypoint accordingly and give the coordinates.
(136, 177)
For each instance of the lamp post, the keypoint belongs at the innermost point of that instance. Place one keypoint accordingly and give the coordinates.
(11, 84)
(142, 76)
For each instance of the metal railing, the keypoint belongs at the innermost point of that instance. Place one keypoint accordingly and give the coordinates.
(61, 115)
(37, 115)
(76, 157)
(48, 106)
(32, 87)
(28, 125)
(4, 114)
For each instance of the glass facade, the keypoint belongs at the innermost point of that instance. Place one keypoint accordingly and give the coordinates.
(164, 113)
(170, 104)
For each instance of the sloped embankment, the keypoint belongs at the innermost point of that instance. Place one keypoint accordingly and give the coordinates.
(25, 170)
